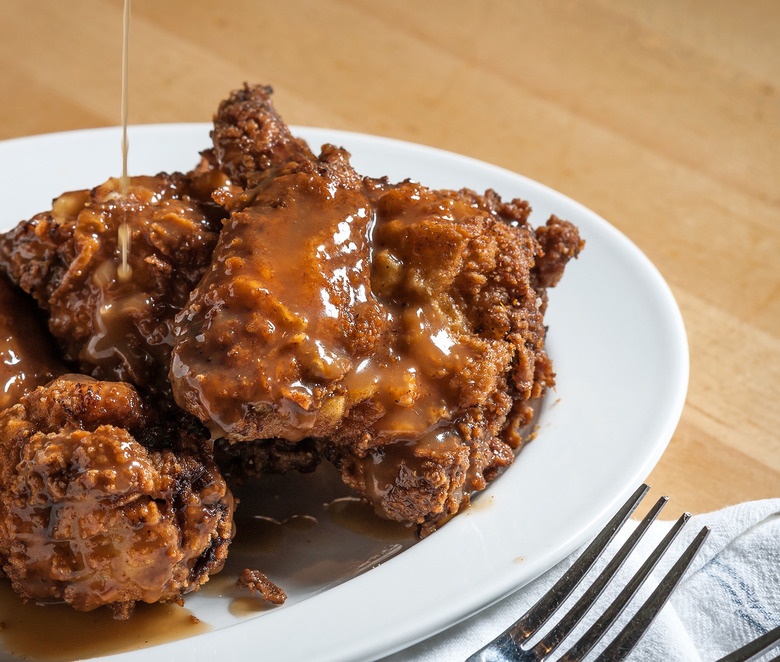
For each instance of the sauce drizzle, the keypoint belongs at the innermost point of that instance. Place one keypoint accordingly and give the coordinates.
(125, 271)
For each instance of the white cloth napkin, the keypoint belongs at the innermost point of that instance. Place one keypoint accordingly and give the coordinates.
(729, 596)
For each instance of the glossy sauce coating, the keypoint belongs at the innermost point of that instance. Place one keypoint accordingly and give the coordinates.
(284, 311)
(401, 327)
(56, 633)
(28, 358)
(456, 271)
(115, 328)
(287, 332)
(394, 329)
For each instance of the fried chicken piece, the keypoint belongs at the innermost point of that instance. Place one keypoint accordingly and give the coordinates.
(401, 328)
(67, 259)
(245, 460)
(285, 311)
(27, 354)
(464, 277)
(250, 139)
(92, 516)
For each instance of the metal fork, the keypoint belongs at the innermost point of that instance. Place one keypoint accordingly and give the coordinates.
(756, 648)
(511, 645)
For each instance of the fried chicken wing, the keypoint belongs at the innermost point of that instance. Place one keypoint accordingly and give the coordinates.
(28, 358)
(67, 259)
(91, 515)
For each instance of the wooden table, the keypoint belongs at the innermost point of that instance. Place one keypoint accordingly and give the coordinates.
(663, 117)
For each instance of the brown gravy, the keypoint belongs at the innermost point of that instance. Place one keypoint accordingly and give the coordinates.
(57, 632)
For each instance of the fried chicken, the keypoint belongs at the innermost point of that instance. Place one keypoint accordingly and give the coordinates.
(296, 309)
(28, 358)
(285, 311)
(67, 258)
(463, 277)
(100, 504)
(400, 328)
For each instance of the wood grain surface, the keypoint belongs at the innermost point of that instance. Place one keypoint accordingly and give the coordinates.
(663, 117)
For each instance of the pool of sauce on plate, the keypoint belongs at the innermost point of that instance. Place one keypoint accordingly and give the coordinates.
(247, 605)
(354, 514)
(261, 536)
(482, 502)
(259, 533)
(58, 632)
(242, 604)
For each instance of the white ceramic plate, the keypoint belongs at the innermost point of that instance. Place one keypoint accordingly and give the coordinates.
(619, 349)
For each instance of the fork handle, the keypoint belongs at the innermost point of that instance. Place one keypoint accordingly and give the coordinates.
(755, 648)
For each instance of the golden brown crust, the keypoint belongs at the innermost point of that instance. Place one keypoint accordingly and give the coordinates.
(467, 265)
(394, 329)
(412, 357)
(250, 138)
(560, 242)
(268, 332)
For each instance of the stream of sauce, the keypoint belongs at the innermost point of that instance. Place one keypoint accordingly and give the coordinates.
(125, 271)
(58, 632)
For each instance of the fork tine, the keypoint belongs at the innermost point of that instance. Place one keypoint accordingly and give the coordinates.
(610, 615)
(575, 614)
(539, 613)
(636, 627)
